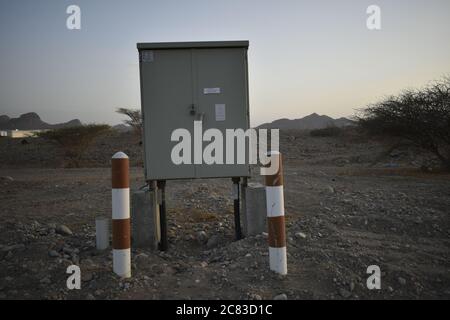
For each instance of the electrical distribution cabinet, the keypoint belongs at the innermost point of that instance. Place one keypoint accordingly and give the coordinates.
(183, 82)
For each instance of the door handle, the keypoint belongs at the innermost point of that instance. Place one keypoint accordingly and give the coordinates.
(192, 110)
(198, 115)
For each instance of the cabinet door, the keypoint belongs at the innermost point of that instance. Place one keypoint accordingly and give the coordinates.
(220, 80)
(167, 96)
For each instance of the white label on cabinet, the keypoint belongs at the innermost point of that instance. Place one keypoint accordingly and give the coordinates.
(220, 112)
(211, 90)
(147, 56)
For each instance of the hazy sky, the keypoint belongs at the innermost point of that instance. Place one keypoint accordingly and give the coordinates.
(304, 56)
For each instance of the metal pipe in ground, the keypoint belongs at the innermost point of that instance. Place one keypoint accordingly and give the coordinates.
(243, 200)
(275, 216)
(121, 215)
(237, 214)
(163, 245)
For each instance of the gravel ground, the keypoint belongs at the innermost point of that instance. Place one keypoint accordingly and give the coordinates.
(342, 216)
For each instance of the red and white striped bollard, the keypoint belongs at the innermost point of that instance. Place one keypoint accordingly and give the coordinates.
(275, 216)
(121, 215)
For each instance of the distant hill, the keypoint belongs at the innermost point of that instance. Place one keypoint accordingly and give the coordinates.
(122, 127)
(313, 121)
(32, 121)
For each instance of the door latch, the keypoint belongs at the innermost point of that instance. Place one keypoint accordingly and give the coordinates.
(192, 110)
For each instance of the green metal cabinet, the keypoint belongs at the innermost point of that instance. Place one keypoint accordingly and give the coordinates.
(186, 81)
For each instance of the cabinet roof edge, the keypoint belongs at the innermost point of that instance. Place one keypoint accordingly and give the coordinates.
(191, 45)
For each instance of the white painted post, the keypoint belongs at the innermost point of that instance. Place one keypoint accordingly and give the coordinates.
(102, 233)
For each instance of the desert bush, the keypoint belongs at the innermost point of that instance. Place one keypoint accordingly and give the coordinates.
(134, 119)
(421, 117)
(75, 140)
(329, 131)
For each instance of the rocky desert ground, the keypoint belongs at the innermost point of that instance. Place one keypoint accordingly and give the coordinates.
(349, 205)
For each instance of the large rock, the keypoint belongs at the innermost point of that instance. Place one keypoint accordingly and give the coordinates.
(212, 242)
(6, 179)
(53, 253)
(300, 235)
(201, 237)
(64, 230)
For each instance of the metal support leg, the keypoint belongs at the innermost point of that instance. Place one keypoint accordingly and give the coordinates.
(153, 189)
(163, 219)
(243, 200)
(237, 215)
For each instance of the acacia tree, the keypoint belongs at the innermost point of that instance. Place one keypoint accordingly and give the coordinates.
(421, 117)
(75, 140)
(134, 119)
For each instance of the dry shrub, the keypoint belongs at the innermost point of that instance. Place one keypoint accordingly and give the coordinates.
(421, 117)
(202, 216)
(75, 140)
(134, 120)
(329, 131)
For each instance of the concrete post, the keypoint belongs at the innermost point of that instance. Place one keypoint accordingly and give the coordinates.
(144, 224)
(102, 233)
(121, 215)
(256, 212)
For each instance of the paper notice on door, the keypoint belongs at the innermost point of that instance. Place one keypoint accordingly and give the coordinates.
(220, 112)
(211, 90)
